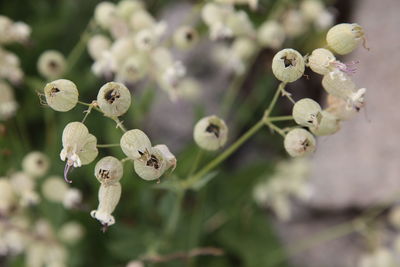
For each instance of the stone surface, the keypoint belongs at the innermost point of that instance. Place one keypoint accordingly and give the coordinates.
(360, 165)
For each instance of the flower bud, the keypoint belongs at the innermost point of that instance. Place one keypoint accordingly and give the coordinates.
(109, 196)
(97, 45)
(61, 95)
(133, 69)
(141, 19)
(329, 125)
(8, 105)
(71, 232)
(146, 39)
(120, 50)
(211, 12)
(35, 164)
(108, 170)
(210, 133)
(135, 263)
(294, 23)
(311, 9)
(5, 29)
(319, 61)
(51, 64)
(288, 65)
(271, 34)
(338, 85)
(7, 196)
(344, 38)
(105, 14)
(126, 8)
(114, 99)
(299, 142)
(185, 37)
(24, 186)
(244, 48)
(135, 143)
(54, 189)
(72, 198)
(240, 24)
(79, 147)
(307, 112)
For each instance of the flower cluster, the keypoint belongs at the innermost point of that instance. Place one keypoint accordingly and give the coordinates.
(289, 180)
(344, 99)
(225, 22)
(132, 47)
(10, 67)
(22, 231)
(80, 147)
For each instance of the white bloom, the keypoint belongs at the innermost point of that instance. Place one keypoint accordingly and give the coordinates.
(79, 146)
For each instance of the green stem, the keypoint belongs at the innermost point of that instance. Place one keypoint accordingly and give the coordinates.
(108, 145)
(276, 129)
(119, 124)
(234, 88)
(196, 162)
(78, 49)
(281, 87)
(280, 118)
(125, 160)
(90, 106)
(174, 217)
(224, 155)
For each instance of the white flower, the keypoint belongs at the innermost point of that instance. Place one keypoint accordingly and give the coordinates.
(79, 146)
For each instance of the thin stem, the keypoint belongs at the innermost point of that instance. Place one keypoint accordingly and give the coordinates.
(174, 216)
(280, 118)
(119, 124)
(271, 106)
(90, 105)
(196, 162)
(87, 113)
(125, 160)
(78, 49)
(276, 129)
(234, 88)
(107, 145)
(224, 155)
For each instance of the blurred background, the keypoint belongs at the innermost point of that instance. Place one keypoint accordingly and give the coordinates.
(344, 214)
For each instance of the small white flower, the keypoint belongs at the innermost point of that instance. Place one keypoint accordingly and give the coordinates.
(109, 196)
(79, 146)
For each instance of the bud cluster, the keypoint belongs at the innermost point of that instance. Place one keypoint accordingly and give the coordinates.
(10, 66)
(28, 232)
(135, 49)
(344, 99)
